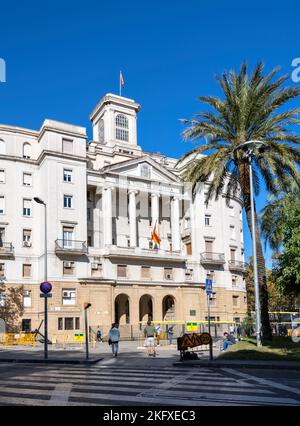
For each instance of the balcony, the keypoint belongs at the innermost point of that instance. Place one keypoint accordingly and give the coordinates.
(237, 266)
(186, 234)
(208, 258)
(70, 247)
(6, 249)
(140, 253)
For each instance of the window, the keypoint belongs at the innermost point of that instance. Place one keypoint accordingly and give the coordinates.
(2, 176)
(2, 236)
(193, 313)
(122, 132)
(90, 241)
(26, 207)
(27, 298)
(146, 171)
(77, 323)
(69, 296)
(122, 271)
(235, 301)
(2, 147)
(101, 130)
(208, 246)
(68, 268)
(88, 213)
(27, 179)
(234, 280)
(69, 323)
(26, 270)
(68, 175)
(60, 324)
(189, 250)
(168, 273)
(96, 268)
(207, 220)
(145, 270)
(189, 274)
(68, 236)
(232, 254)
(232, 232)
(26, 325)
(2, 270)
(67, 146)
(2, 204)
(27, 151)
(68, 201)
(231, 210)
(27, 237)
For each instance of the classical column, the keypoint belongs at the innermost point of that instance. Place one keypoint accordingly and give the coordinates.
(132, 217)
(154, 209)
(175, 224)
(107, 216)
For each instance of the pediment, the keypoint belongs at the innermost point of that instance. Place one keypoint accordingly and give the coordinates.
(145, 168)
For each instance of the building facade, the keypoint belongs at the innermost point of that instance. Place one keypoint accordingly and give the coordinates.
(103, 199)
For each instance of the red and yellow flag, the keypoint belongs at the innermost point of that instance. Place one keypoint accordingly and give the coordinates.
(155, 237)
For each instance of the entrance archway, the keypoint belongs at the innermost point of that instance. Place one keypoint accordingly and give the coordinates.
(168, 308)
(146, 308)
(122, 312)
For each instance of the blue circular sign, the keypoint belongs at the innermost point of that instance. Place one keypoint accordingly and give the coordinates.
(46, 287)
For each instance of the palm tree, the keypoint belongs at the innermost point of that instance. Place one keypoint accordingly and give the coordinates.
(248, 110)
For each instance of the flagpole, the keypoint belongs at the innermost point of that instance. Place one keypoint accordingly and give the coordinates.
(120, 91)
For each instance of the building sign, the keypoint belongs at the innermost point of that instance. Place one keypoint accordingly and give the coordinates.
(193, 340)
(79, 338)
(191, 326)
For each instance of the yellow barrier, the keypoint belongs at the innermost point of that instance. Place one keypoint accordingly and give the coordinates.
(22, 339)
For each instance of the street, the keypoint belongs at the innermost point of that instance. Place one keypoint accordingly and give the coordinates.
(134, 379)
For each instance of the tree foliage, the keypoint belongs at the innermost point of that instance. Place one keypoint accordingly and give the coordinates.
(11, 306)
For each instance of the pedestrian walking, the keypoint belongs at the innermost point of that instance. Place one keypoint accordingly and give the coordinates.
(158, 331)
(170, 334)
(99, 335)
(113, 339)
(149, 334)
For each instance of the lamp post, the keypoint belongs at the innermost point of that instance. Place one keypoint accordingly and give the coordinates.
(248, 150)
(39, 201)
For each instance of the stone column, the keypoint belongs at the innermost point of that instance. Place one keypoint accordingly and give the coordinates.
(107, 216)
(175, 224)
(154, 209)
(132, 217)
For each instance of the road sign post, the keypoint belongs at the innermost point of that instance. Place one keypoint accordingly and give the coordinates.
(209, 292)
(86, 307)
(46, 288)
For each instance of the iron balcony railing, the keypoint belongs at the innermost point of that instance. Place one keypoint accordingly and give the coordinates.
(236, 265)
(6, 249)
(70, 246)
(212, 258)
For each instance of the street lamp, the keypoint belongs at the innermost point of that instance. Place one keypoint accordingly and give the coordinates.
(39, 201)
(248, 149)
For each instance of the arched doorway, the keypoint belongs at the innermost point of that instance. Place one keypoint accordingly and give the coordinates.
(168, 307)
(122, 313)
(146, 308)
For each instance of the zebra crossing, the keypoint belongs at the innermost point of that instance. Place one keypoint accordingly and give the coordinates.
(116, 384)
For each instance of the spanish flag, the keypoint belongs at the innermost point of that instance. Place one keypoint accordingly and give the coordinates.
(155, 237)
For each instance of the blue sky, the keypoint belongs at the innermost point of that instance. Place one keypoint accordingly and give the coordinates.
(62, 56)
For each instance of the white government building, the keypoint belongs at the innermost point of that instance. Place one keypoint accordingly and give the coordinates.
(103, 199)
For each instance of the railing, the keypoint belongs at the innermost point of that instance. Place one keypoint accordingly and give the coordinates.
(236, 265)
(138, 251)
(212, 258)
(70, 246)
(6, 249)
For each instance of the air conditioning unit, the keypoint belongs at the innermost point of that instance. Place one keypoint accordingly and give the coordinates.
(68, 264)
(27, 244)
(94, 266)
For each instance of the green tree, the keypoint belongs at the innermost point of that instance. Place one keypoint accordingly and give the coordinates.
(11, 306)
(248, 110)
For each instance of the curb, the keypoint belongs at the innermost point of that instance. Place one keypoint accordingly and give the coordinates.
(216, 364)
(50, 361)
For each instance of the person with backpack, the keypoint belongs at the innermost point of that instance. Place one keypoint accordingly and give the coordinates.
(113, 339)
(149, 334)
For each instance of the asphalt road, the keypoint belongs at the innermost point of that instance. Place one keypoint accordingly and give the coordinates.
(135, 379)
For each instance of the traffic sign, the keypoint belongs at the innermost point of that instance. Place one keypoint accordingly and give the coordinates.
(208, 286)
(45, 287)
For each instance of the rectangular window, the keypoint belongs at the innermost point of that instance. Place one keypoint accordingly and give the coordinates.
(69, 296)
(233, 280)
(68, 236)
(68, 268)
(69, 323)
(193, 313)
(60, 324)
(235, 301)
(90, 241)
(26, 325)
(168, 273)
(77, 323)
(122, 271)
(96, 268)
(145, 272)
(207, 220)
(27, 237)
(26, 207)
(27, 298)
(2, 176)
(2, 204)
(67, 146)
(232, 232)
(68, 201)
(68, 175)
(232, 254)
(189, 274)
(26, 270)
(189, 250)
(27, 179)
(2, 269)
(208, 246)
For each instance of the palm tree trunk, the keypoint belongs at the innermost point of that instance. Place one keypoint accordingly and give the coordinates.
(263, 293)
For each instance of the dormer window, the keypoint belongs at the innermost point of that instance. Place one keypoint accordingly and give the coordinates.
(27, 151)
(122, 132)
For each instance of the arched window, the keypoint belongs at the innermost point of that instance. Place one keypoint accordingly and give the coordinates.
(26, 150)
(2, 147)
(122, 132)
(101, 130)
